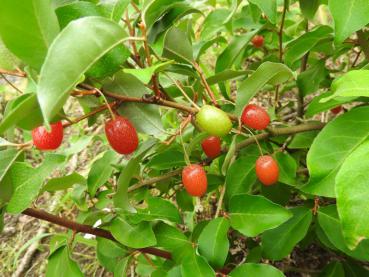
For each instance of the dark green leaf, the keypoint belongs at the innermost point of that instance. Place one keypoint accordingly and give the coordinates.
(309, 80)
(309, 7)
(195, 265)
(177, 46)
(287, 168)
(251, 269)
(60, 264)
(65, 182)
(334, 269)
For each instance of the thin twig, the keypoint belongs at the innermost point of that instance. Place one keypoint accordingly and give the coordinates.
(363, 42)
(205, 83)
(280, 33)
(11, 84)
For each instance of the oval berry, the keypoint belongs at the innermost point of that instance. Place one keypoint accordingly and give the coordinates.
(121, 135)
(213, 121)
(337, 110)
(212, 146)
(45, 140)
(267, 170)
(194, 180)
(255, 117)
(257, 41)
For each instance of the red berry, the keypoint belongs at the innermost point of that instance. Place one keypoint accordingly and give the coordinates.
(257, 41)
(194, 180)
(212, 146)
(44, 140)
(122, 135)
(267, 170)
(337, 110)
(255, 117)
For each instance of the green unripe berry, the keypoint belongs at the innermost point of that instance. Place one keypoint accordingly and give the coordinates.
(213, 121)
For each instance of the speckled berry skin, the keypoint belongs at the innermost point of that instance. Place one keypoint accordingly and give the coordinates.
(44, 140)
(121, 135)
(337, 110)
(212, 146)
(255, 117)
(257, 41)
(194, 180)
(267, 170)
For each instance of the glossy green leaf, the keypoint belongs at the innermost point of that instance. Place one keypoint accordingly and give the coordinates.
(101, 171)
(309, 7)
(240, 176)
(177, 46)
(279, 242)
(155, 9)
(303, 140)
(229, 55)
(334, 269)
(65, 182)
(145, 74)
(60, 264)
(287, 168)
(213, 242)
(173, 240)
(267, 73)
(195, 265)
(135, 236)
(267, 7)
(332, 146)
(116, 8)
(352, 191)
(349, 16)
(145, 118)
(72, 60)
(352, 84)
(28, 28)
(254, 214)
(331, 226)
(298, 47)
(251, 269)
(27, 181)
(167, 159)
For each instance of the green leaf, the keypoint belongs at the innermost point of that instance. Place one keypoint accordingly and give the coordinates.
(135, 236)
(229, 158)
(195, 265)
(334, 269)
(279, 242)
(287, 168)
(349, 16)
(166, 160)
(251, 269)
(332, 146)
(230, 54)
(309, 80)
(298, 47)
(109, 252)
(352, 84)
(8, 157)
(352, 192)
(60, 264)
(309, 7)
(72, 53)
(146, 118)
(7, 59)
(65, 182)
(24, 106)
(254, 214)
(101, 171)
(329, 222)
(177, 46)
(27, 181)
(303, 140)
(157, 209)
(267, 7)
(145, 74)
(173, 240)
(267, 73)
(226, 75)
(213, 242)
(28, 28)
(122, 266)
(241, 176)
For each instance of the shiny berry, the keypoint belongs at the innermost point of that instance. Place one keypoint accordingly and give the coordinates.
(213, 121)
(255, 117)
(212, 146)
(337, 110)
(122, 135)
(257, 41)
(194, 180)
(45, 140)
(267, 170)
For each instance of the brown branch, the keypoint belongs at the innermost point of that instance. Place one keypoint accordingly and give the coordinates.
(205, 83)
(13, 73)
(363, 42)
(87, 229)
(280, 33)
(132, 33)
(300, 95)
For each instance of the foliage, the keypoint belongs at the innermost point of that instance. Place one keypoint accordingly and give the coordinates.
(180, 71)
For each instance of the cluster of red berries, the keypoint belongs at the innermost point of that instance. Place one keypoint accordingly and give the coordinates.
(120, 132)
(194, 176)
